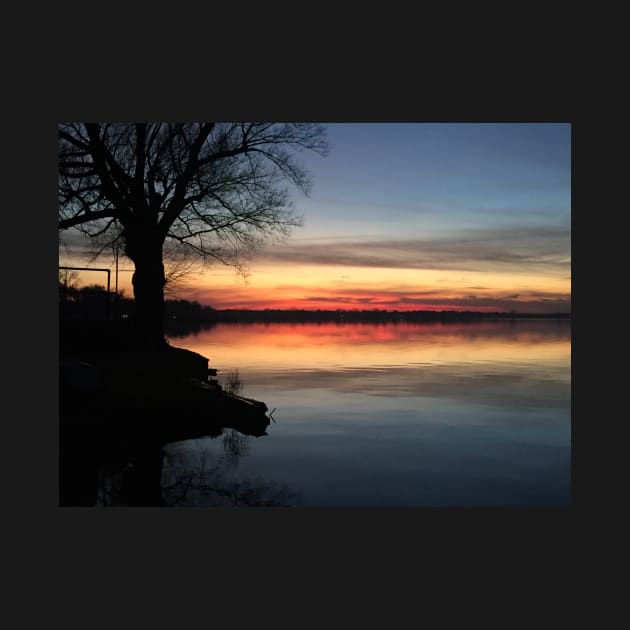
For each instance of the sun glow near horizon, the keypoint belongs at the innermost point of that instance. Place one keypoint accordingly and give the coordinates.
(327, 287)
(322, 287)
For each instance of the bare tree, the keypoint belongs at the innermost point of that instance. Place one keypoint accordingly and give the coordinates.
(68, 279)
(214, 189)
(68, 284)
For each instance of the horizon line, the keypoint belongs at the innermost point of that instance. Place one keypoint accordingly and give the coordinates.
(374, 310)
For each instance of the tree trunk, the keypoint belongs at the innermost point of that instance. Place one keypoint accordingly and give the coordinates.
(148, 288)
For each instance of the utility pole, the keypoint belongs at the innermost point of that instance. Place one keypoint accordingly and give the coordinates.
(117, 301)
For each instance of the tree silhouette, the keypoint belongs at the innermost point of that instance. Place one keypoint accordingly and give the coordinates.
(68, 284)
(214, 189)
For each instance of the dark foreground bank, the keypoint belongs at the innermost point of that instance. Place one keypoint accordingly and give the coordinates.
(119, 406)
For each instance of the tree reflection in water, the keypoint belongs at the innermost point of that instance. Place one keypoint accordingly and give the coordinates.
(201, 477)
(196, 474)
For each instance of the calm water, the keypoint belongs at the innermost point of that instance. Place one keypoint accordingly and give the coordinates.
(387, 415)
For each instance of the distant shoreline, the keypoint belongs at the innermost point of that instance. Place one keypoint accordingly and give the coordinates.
(367, 316)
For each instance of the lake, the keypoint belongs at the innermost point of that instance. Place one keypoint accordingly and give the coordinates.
(386, 415)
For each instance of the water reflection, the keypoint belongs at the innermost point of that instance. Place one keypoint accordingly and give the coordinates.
(196, 473)
(368, 415)
(199, 472)
(460, 414)
(519, 365)
(329, 345)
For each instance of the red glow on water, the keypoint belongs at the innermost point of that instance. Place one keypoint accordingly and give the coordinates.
(313, 345)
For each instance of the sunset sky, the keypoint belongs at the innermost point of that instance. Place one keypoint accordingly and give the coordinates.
(412, 217)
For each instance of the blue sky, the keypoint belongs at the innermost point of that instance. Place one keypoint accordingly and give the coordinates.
(384, 178)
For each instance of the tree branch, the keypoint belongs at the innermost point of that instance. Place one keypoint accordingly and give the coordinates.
(141, 130)
(86, 218)
(110, 187)
(192, 165)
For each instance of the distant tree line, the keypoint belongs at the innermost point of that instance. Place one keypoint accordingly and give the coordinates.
(366, 316)
(93, 302)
